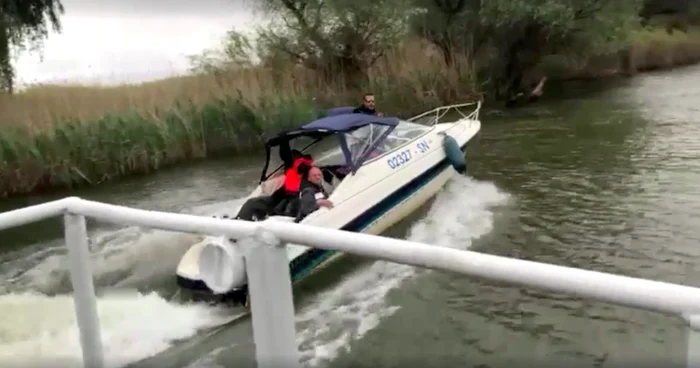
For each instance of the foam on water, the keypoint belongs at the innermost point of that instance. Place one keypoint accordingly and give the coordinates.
(328, 323)
(40, 331)
(37, 330)
(326, 326)
(125, 257)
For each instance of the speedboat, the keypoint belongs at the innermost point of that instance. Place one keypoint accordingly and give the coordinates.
(377, 171)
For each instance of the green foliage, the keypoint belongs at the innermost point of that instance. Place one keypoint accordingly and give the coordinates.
(512, 36)
(236, 51)
(333, 36)
(77, 153)
(598, 26)
(570, 25)
(506, 39)
(24, 24)
(452, 25)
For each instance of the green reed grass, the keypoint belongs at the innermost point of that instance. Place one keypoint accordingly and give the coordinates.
(75, 153)
(69, 136)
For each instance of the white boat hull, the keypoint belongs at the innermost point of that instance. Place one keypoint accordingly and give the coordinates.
(372, 200)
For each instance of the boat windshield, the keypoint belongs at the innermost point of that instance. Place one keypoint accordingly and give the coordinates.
(363, 139)
(328, 151)
(325, 152)
(370, 137)
(404, 132)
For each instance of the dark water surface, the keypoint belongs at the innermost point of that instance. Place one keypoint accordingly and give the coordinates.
(604, 179)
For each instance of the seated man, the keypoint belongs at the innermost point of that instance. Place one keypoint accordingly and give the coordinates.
(293, 168)
(256, 209)
(278, 203)
(291, 172)
(288, 205)
(312, 196)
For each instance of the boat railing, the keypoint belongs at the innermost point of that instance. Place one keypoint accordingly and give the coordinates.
(267, 268)
(433, 116)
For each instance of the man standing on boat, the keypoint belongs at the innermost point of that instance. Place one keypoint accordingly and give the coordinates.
(367, 106)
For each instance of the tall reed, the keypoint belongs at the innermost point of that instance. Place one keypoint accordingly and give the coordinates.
(64, 136)
(55, 136)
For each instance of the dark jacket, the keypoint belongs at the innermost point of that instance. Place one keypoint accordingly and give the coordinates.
(309, 193)
(363, 110)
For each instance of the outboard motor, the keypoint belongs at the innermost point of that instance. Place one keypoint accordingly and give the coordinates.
(221, 265)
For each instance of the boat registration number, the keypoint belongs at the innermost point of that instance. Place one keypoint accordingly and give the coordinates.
(401, 158)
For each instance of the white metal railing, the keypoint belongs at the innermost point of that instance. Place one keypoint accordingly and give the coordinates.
(437, 113)
(269, 281)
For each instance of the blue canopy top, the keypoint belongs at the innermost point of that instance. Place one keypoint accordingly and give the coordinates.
(348, 122)
(338, 120)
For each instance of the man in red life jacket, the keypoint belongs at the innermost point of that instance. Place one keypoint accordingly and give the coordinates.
(292, 174)
(283, 200)
(258, 208)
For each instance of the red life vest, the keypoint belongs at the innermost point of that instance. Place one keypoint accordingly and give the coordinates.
(291, 175)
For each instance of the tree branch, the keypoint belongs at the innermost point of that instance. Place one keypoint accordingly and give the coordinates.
(589, 9)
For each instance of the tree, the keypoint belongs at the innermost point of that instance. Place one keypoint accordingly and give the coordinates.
(334, 36)
(451, 25)
(24, 24)
(237, 51)
(517, 34)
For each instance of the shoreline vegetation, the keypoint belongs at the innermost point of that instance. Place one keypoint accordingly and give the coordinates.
(649, 50)
(66, 136)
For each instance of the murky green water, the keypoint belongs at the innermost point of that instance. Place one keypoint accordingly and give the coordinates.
(603, 179)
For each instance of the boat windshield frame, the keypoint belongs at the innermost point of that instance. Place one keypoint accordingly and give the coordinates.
(332, 125)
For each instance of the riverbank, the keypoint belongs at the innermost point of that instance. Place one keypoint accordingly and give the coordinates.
(650, 49)
(67, 136)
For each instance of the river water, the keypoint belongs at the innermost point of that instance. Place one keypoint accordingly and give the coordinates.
(602, 178)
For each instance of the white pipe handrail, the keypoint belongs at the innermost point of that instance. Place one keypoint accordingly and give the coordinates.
(39, 212)
(638, 293)
(441, 111)
(633, 292)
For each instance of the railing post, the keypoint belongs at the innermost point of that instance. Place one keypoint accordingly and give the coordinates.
(271, 300)
(693, 355)
(83, 290)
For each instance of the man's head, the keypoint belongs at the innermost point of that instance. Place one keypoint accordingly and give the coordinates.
(315, 175)
(368, 101)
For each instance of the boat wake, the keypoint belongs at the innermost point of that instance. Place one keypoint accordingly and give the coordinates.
(327, 325)
(331, 320)
(38, 326)
(131, 257)
(40, 331)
